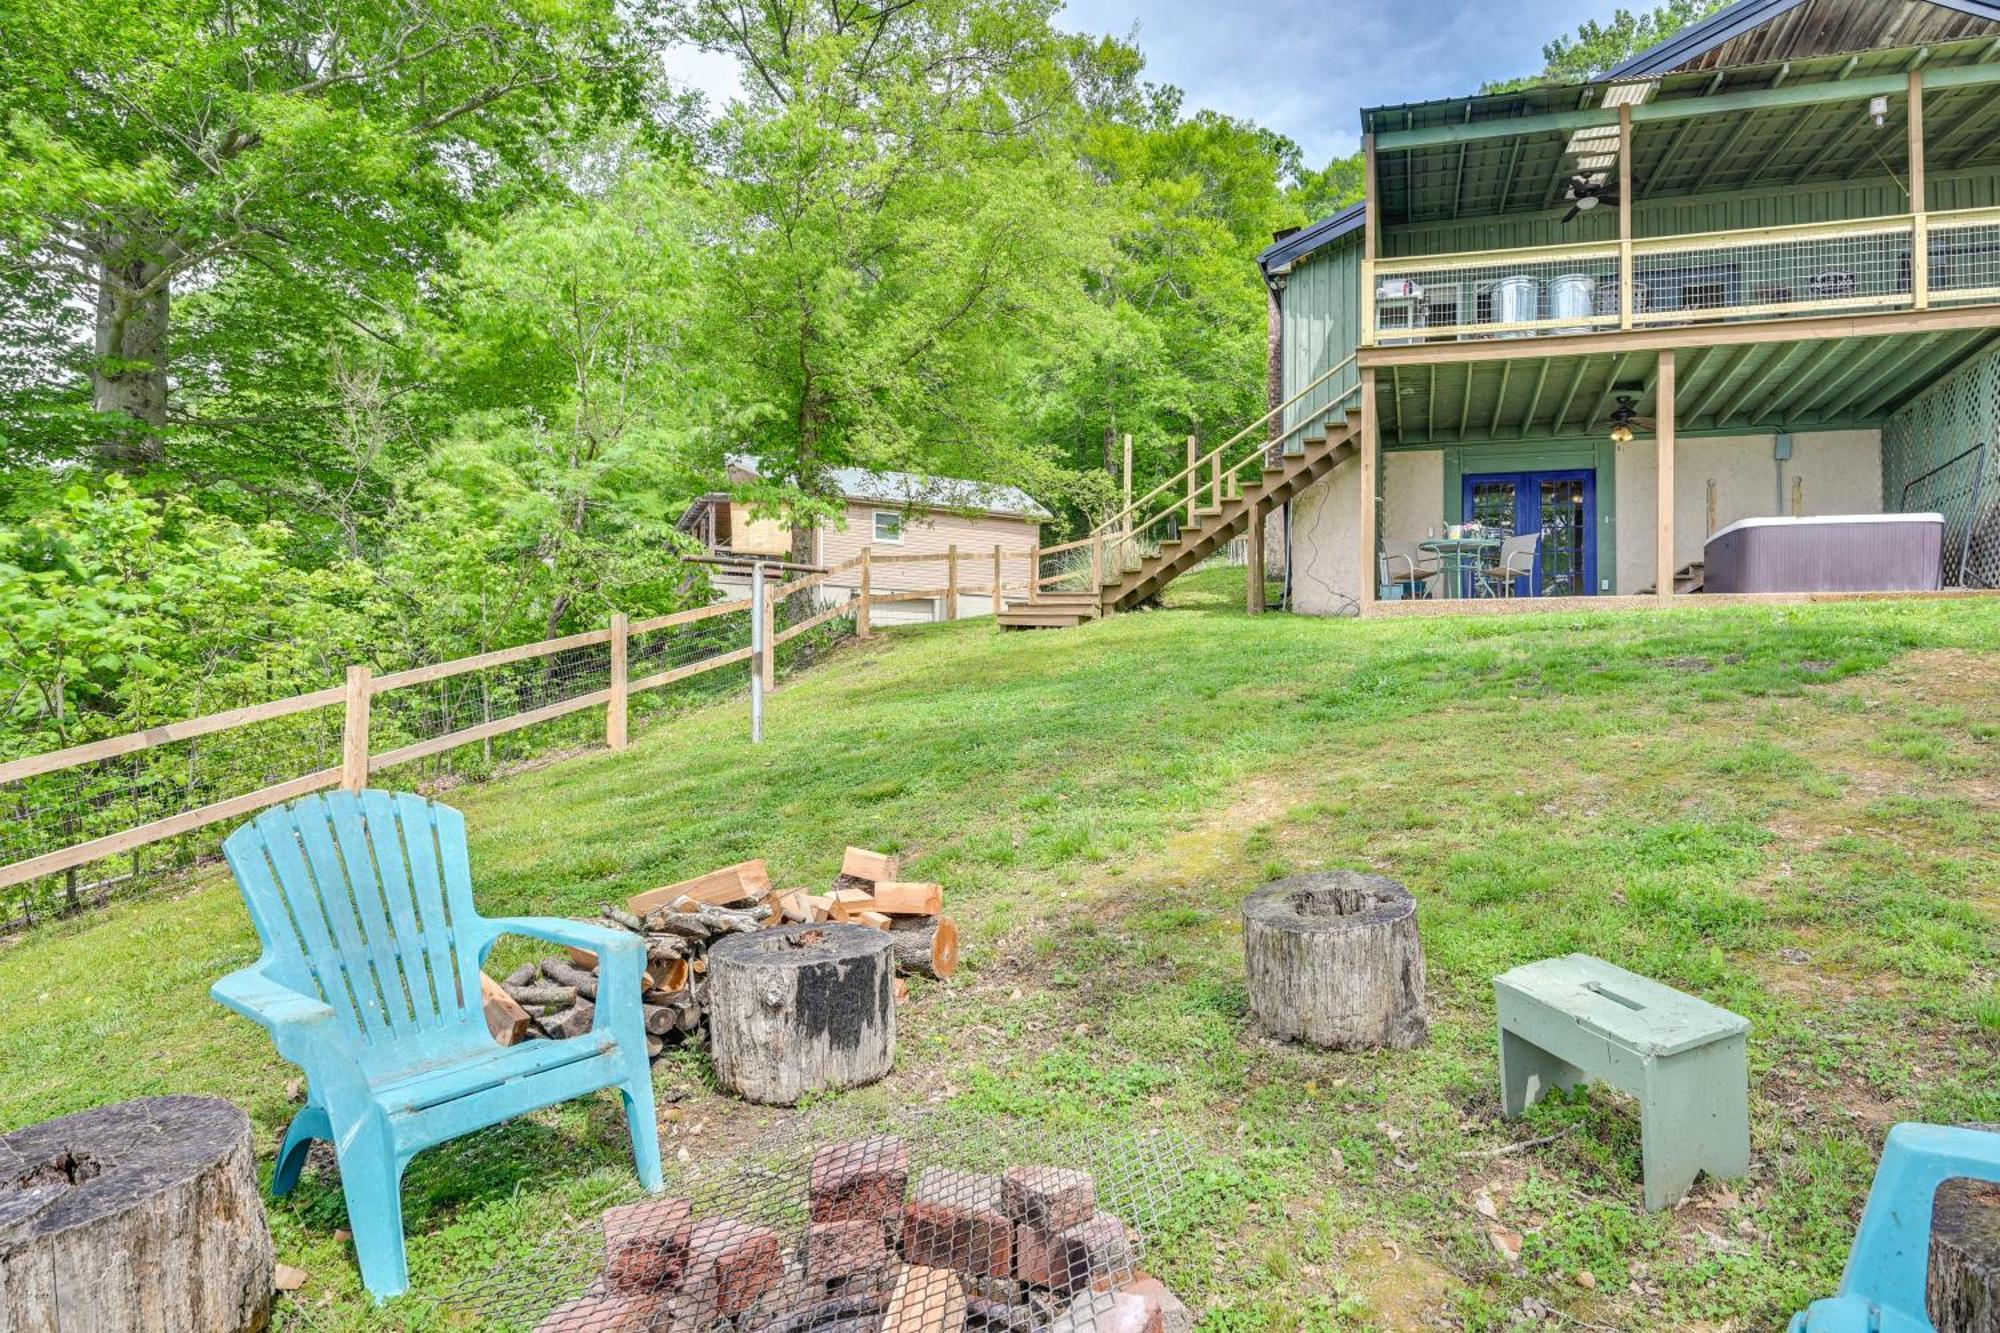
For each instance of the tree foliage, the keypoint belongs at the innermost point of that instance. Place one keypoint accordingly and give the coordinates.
(1597, 47)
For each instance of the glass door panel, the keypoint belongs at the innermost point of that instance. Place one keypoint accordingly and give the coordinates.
(1561, 506)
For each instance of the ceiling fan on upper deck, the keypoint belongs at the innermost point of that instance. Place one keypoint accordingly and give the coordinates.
(1588, 190)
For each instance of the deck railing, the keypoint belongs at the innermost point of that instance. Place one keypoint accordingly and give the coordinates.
(1847, 266)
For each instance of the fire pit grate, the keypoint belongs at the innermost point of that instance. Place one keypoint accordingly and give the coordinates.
(904, 1228)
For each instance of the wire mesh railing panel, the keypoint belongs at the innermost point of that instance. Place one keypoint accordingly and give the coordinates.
(809, 623)
(693, 663)
(1069, 570)
(53, 812)
(1707, 280)
(1505, 296)
(1965, 261)
(997, 1226)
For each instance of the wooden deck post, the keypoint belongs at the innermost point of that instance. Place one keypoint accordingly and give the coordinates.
(1128, 481)
(1627, 298)
(1663, 565)
(1371, 221)
(1370, 462)
(354, 732)
(999, 576)
(1253, 563)
(1097, 563)
(621, 683)
(1192, 482)
(951, 582)
(1034, 573)
(861, 629)
(1920, 222)
(1215, 480)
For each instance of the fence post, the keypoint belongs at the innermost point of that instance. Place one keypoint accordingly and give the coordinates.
(767, 660)
(861, 630)
(1128, 482)
(621, 679)
(354, 733)
(1097, 564)
(1034, 573)
(998, 575)
(760, 644)
(1215, 481)
(951, 582)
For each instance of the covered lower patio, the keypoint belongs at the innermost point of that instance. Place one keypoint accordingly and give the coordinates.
(1504, 476)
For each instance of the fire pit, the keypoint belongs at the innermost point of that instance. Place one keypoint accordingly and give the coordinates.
(874, 1234)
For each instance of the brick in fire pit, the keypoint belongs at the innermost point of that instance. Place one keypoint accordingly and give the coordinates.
(646, 1245)
(730, 1264)
(1072, 1260)
(862, 1179)
(1053, 1198)
(955, 1220)
(1111, 1312)
(607, 1312)
(841, 1249)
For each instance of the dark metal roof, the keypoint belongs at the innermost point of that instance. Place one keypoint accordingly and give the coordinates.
(1282, 254)
(1809, 28)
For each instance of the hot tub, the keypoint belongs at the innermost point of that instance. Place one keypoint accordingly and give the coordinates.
(1840, 553)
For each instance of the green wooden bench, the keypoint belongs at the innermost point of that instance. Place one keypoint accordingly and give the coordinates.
(1567, 1021)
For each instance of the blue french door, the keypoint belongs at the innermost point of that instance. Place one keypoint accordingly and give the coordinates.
(1562, 506)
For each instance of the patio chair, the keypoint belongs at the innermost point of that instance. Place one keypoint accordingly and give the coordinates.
(1405, 570)
(1882, 1288)
(370, 982)
(1515, 559)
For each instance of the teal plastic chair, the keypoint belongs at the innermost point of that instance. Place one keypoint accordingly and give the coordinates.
(1882, 1289)
(369, 982)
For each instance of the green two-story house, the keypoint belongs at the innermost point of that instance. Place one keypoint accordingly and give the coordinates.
(1750, 274)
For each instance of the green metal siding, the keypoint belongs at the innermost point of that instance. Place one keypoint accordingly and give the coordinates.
(1880, 196)
(1321, 311)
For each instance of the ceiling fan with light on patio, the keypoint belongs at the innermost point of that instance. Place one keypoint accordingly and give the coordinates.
(1586, 192)
(1626, 421)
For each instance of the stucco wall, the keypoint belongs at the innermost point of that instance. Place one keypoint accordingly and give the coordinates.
(1839, 472)
(1326, 555)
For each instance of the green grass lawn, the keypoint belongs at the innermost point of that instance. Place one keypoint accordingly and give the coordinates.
(1792, 812)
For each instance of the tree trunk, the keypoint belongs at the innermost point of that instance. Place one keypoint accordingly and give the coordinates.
(800, 1008)
(1963, 1287)
(1334, 959)
(129, 375)
(139, 1215)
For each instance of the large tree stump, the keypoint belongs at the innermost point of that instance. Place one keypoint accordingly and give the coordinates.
(1334, 959)
(141, 1215)
(801, 1008)
(1963, 1287)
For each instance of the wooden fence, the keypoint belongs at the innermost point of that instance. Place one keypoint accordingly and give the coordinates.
(359, 695)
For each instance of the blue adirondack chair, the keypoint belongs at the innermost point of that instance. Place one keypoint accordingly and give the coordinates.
(1882, 1289)
(369, 982)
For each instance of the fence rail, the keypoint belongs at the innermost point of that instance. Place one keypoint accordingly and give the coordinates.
(104, 798)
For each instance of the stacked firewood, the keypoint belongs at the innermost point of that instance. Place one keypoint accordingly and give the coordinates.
(557, 997)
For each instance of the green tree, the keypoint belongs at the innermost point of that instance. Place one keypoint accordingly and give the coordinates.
(151, 151)
(1597, 47)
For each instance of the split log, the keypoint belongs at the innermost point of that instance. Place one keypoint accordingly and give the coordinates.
(927, 947)
(874, 867)
(908, 898)
(739, 883)
(795, 905)
(801, 1008)
(1962, 1288)
(844, 903)
(524, 975)
(926, 1300)
(684, 924)
(1334, 959)
(873, 920)
(619, 916)
(571, 1022)
(505, 1018)
(140, 1215)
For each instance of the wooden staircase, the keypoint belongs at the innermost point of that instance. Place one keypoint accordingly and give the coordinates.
(1688, 578)
(1131, 562)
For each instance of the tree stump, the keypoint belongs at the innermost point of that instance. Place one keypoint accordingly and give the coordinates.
(1334, 959)
(1962, 1289)
(801, 1008)
(140, 1215)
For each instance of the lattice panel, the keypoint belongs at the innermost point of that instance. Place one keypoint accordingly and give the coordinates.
(1942, 453)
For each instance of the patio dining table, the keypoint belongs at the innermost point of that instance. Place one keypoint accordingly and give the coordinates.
(1459, 561)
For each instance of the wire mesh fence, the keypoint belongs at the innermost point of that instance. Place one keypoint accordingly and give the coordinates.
(915, 1226)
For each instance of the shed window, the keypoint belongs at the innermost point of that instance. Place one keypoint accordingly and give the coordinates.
(889, 526)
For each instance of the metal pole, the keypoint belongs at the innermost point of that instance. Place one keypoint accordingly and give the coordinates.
(757, 653)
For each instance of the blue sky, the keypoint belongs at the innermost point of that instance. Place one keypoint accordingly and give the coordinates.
(1303, 67)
